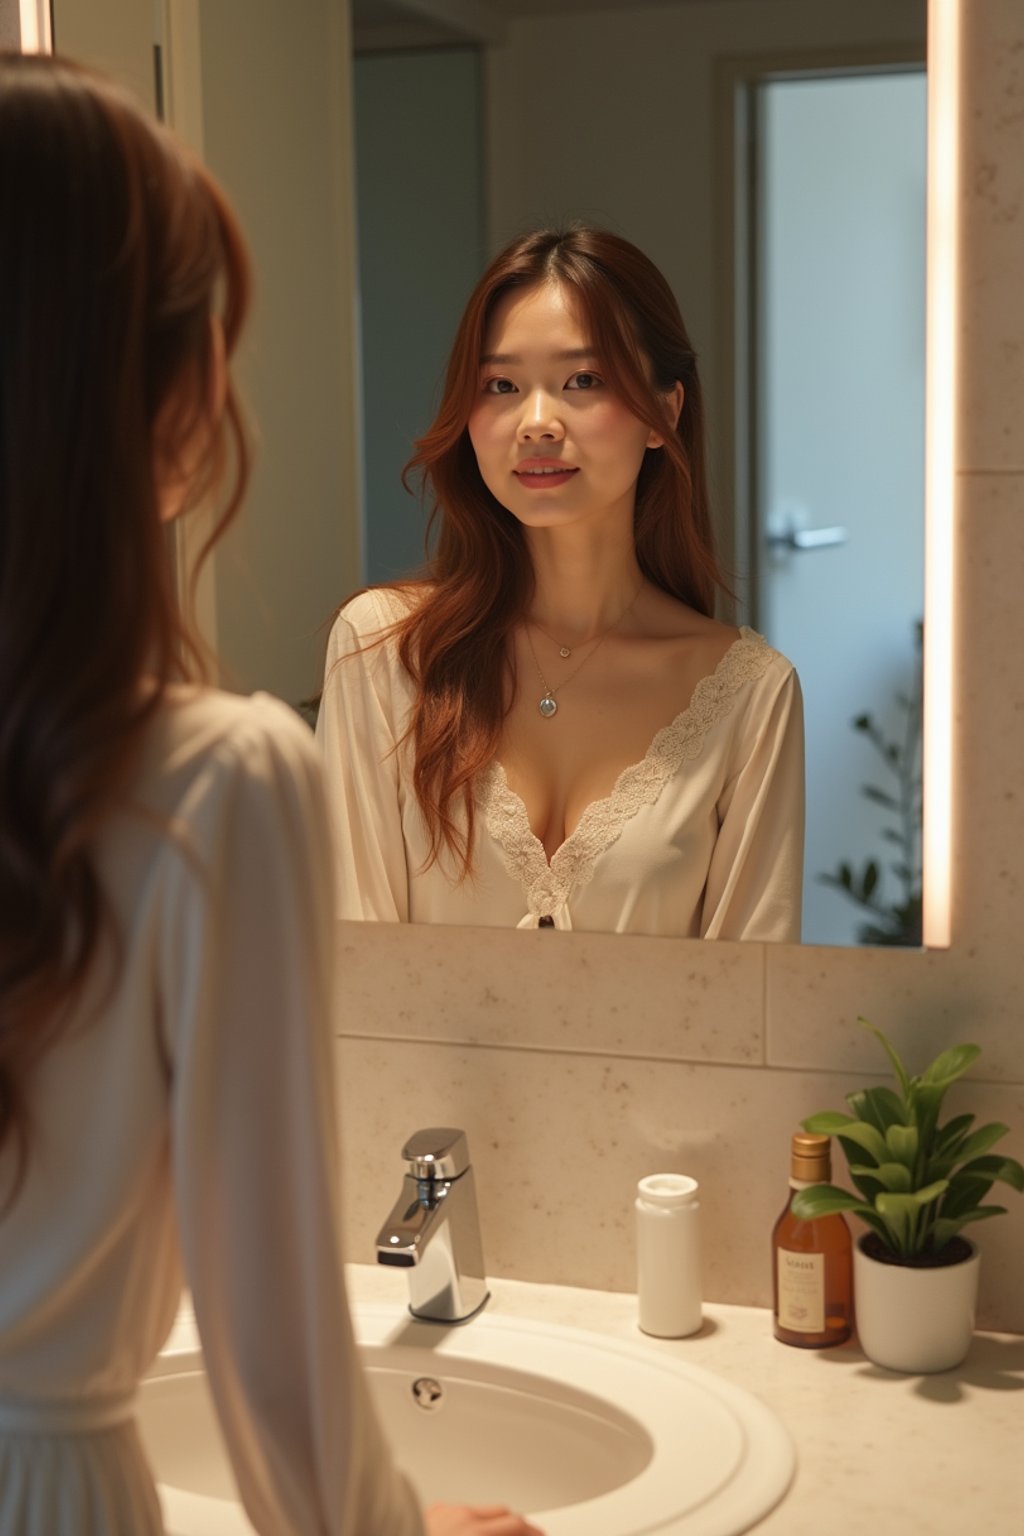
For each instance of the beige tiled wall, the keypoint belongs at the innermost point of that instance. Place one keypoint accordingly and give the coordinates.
(579, 1062)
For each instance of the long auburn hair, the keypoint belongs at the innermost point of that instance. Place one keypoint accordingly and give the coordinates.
(116, 251)
(479, 581)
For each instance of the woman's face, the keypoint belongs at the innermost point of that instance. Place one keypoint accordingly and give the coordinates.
(553, 442)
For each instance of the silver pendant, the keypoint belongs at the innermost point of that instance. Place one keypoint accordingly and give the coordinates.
(563, 650)
(547, 706)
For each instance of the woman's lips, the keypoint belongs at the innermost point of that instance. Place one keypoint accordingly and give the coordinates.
(544, 477)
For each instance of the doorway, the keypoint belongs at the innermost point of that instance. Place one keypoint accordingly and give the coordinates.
(837, 294)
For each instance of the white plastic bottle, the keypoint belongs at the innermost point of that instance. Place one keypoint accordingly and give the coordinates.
(668, 1255)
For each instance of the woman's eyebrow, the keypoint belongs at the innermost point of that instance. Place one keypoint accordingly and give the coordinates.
(575, 354)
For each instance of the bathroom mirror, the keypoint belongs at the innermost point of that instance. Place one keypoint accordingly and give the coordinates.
(771, 158)
(644, 126)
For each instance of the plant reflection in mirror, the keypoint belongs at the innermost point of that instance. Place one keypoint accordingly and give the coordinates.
(899, 921)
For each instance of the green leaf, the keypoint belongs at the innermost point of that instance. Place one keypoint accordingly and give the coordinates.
(1006, 1169)
(890, 1051)
(965, 1193)
(864, 1136)
(829, 1200)
(945, 1069)
(925, 1101)
(880, 1107)
(902, 1142)
(862, 723)
(880, 797)
(944, 1228)
(866, 1180)
(905, 1216)
(824, 1200)
(829, 1122)
(870, 879)
(896, 1177)
(973, 1146)
(914, 1201)
(952, 1133)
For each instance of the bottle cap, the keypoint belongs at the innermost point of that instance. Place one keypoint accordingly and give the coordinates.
(668, 1189)
(811, 1157)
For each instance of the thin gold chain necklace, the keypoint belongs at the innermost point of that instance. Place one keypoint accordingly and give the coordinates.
(548, 705)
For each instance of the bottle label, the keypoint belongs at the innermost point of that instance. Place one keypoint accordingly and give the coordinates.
(801, 1279)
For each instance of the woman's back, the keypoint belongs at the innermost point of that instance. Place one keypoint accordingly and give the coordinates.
(192, 1098)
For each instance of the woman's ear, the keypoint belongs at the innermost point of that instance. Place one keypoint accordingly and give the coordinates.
(673, 399)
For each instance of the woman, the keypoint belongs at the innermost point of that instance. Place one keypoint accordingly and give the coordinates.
(551, 728)
(165, 1043)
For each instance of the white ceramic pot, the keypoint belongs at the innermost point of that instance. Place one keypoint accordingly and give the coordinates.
(915, 1320)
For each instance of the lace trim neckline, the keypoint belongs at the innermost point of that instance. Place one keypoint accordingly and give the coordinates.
(549, 885)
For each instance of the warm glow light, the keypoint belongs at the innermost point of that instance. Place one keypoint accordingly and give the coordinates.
(940, 462)
(34, 16)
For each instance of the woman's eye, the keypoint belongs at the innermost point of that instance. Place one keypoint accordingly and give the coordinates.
(584, 381)
(499, 387)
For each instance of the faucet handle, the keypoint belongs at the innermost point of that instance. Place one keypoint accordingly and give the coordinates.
(440, 1152)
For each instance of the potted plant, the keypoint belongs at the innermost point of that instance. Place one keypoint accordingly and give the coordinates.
(919, 1184)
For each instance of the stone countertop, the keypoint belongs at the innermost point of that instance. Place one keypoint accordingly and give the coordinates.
(896, 1455)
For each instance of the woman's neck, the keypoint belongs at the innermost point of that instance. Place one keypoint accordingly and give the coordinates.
(581, 590)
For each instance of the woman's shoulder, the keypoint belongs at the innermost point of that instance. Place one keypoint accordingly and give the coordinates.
(765, 657)
(208, 733)
(375, 610)
(731, 658)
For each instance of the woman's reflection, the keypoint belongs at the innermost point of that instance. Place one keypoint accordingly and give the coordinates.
(550, 728)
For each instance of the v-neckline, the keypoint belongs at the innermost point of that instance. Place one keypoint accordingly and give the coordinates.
(639, 783)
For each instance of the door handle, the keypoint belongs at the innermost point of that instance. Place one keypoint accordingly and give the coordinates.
(808, 538)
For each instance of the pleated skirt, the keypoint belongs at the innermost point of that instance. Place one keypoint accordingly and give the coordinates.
(84, 1483)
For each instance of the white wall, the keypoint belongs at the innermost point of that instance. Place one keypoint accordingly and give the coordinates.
(112, 35)
(277, 126)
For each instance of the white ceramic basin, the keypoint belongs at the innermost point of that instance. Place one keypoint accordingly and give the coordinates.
(591, 1437)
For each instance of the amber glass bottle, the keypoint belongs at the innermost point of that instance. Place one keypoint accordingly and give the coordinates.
(812, 1268)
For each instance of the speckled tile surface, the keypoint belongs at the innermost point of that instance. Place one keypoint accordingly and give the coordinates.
(991, 334)
(989, 726)
(558, 1143)
(551, 990)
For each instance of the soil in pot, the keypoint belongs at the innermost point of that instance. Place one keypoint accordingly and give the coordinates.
(955, 1252)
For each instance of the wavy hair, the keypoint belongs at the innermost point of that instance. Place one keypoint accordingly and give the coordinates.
(117, 250)
(479, 581)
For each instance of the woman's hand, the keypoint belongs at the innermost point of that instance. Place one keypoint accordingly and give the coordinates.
(476, 1520)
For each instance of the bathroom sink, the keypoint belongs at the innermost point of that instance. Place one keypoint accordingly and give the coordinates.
(590, 1436)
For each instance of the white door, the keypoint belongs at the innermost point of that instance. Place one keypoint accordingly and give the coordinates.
(840, 337)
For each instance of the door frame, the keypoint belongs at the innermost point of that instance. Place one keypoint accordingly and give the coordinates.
(737, 227)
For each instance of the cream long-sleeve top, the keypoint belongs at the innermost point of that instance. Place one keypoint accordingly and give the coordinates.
(185, 1122)
(703, 838)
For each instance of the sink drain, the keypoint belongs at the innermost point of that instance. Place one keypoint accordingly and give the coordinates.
(428, 1393)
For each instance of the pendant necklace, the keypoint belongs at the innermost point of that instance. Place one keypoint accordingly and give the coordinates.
(563, 650)
(548, 704)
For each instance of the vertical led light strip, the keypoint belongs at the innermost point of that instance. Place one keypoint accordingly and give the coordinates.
(940, 464)
(34, 16)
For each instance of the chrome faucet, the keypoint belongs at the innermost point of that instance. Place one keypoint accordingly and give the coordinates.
(434, 1229)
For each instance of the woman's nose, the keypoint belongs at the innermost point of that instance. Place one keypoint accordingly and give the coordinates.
(540, 418)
